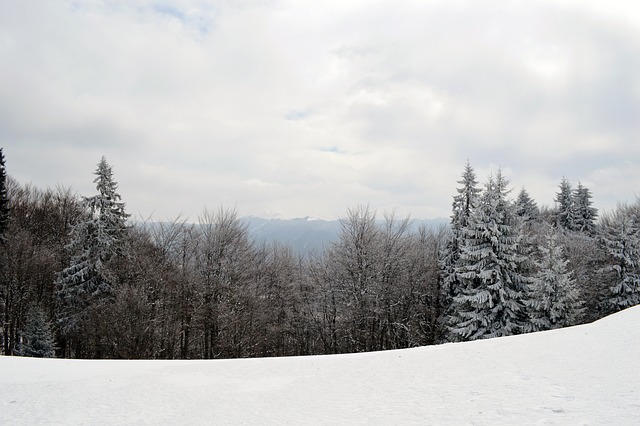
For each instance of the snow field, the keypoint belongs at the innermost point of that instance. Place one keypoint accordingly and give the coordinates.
(580, 375)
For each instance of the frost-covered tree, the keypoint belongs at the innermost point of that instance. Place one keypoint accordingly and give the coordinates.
(553, 299)
(4, 199)
(465, 201)
(464, 204)
(5, 293)
(492, 286)
(586, 257)
(95, 241)
(565, 207)
(584, 214)
(620, 237)
(377, 285)
(526, 207)
(37, 337)
(225, 265)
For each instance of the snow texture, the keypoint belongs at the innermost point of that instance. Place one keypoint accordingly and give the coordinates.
(578, 375)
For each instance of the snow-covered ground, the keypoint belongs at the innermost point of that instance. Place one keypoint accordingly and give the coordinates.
(580, 375)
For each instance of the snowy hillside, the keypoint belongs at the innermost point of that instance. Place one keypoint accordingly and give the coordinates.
(580, 375)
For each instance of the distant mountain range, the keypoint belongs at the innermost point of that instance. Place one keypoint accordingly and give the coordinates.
(306, 234)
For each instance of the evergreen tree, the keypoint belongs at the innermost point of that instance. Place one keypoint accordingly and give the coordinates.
(492, 285)
(553, 300)
(565, 208)
(620, 237)
(526, 207)
(37, 338)
(584, 214)
(5, 292)
(528, 215)
(4, 200)
(464, 204)
(95, 241)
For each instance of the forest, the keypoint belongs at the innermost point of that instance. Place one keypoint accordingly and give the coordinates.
(80, 279)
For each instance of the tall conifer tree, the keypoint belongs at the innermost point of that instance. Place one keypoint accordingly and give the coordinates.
(553, 300)
(565, 208)
(4, 200)
(464, 204)
(95, 241)
(620, 237)
(492, 286)
(526, 207)
(585, 214)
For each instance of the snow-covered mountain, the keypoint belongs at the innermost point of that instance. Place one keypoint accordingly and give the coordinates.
(579, 375)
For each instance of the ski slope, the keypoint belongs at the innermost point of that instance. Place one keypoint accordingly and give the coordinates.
(581, 375)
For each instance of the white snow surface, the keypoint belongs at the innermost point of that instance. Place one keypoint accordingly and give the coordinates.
(580, 375)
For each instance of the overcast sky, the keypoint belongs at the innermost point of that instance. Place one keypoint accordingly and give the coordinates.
(306, 108)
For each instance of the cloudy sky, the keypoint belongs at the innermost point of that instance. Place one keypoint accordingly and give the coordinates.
(306, 108)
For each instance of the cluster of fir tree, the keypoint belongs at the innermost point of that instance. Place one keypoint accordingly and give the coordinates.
(510, 268)
(619, 236)
(493, 282)
(614, 247)
(573, 208)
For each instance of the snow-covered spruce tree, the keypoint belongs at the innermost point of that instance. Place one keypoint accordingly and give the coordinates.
(584, 214)
(526, 207)
(4, 200)
(95, 241)
(528, 223)
(464, 203)
(492, 286)
(553, 298)
(37, 337)
(565, 208)
(5, 316)
(620, 237)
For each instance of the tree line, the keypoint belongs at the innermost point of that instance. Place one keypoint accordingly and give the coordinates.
(78, 279)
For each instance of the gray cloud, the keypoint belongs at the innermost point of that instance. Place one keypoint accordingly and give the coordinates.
(305, 108)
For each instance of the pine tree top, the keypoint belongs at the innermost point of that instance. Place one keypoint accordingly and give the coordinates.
(526, 207)
(107, 202)
(467, 198)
